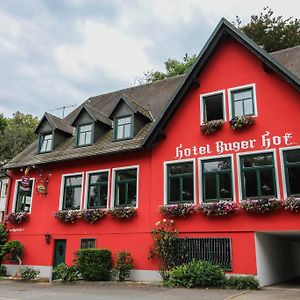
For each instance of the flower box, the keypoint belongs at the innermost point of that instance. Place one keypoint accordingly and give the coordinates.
(177, 210)
(92, 215)
(241, 121)
(67, 216)
(212, 126)
(18, 217)
(220, 208)
(123, 213)
(260, 206)
(291, 203)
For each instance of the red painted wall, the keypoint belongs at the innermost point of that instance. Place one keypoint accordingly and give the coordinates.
(232, 65)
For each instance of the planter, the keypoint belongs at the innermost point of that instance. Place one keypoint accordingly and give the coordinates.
(220, 208)
(210, 127)
(241, 122)
(260, 206)
(123, 213)
(177, 210)
(18, 217)
(291, 203)
(92, 215)
(67, 216)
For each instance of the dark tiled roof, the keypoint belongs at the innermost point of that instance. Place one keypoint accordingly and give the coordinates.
(56, 123)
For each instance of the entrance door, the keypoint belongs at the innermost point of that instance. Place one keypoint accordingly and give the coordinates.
(59, 253)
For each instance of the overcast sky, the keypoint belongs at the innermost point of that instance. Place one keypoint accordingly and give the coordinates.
(57, 53)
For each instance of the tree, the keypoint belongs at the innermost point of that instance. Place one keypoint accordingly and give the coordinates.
(16, 135)
(173, 68)
(271, 32)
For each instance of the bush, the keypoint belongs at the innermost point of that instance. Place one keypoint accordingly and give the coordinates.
(3, 271)
(66, 273)
(124, 264)
(94, 264)
(196, 274)
(28, 273)
(243, 282)
(14, 250)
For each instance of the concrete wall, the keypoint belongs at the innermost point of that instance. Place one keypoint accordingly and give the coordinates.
(277, 258)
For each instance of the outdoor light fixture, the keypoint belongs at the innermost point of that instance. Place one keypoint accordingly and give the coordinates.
(47, 238)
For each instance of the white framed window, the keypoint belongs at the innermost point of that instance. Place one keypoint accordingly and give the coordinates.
(242, 101)
(125, 186)
(85, 135)
(46, 142)
(71, 191)
(180, 181)
(97, 189)
(212, 106)
(23, 197)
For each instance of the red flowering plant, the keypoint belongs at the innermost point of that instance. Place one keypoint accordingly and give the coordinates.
(67, 216)
(212, 126)
(123, 213)
(220, 208)
(17, 217)
(291, 203)
(241, 121)
(92, 215)
(260, 206)
(177, 210)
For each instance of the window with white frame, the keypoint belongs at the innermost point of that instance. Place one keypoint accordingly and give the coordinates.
(180, 182)
(242, 101)
(258, 176)
(46, 142)
(123, 128)
(72, 190)
(217, 179)
(23, 198)
(84, 135)
(125, 187)
(292, 171)
(213, 107)
(97, 189)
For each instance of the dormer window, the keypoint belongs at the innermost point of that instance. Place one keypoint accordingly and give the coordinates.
(84, 135)
(123, 128)
(46, 142)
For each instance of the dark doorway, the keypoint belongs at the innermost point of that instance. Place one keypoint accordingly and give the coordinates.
(59, 253)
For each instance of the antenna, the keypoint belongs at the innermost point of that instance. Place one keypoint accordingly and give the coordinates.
(63, 108)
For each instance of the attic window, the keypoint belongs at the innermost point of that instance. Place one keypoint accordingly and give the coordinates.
(84, 135)
(45, 142)
(212, 107)
(123, 128)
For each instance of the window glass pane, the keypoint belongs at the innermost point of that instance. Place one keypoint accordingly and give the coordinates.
(73, 180)
(213, 107)
(122, 121)
(93, 197)
(187, 188)
(294, 180)
(293, 156)
(267, 183)
(88, 137)
(225, 186)
(131, 193)
(248, 107)
(127, 174)
(120, 132)
(127, 130)
(216, 165)
(180, 168)
(210, 184)
(257, 161)
(250, 184)
(77, 197)
(121, 194)
(81, 140)
(174, 192)
(243, 94)
(238, 108)
(85, 128)
(99, 177)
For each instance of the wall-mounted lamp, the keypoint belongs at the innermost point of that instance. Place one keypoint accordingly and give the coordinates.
(47, 238)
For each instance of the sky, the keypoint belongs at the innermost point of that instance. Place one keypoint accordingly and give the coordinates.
(56, 53)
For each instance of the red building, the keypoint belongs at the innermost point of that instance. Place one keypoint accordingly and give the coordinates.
(143, 147)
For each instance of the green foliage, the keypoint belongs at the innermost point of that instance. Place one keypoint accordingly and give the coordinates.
(271, 32)
(3, 238)
(29, 273)
(124, 264)
(196, 274)
(242, 282)
(3, 271)
(173, 68)
(13, 249)
(94, 264)
(16, 134)
(66, 273)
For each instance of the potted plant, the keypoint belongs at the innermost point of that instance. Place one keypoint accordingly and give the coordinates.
(177, 210)
(212, 126)
(67, 216)
(123, 213)
(260, 206)
(220, 208)
(92, 215)
(241, 121)
(291, 203)
(17, 217)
